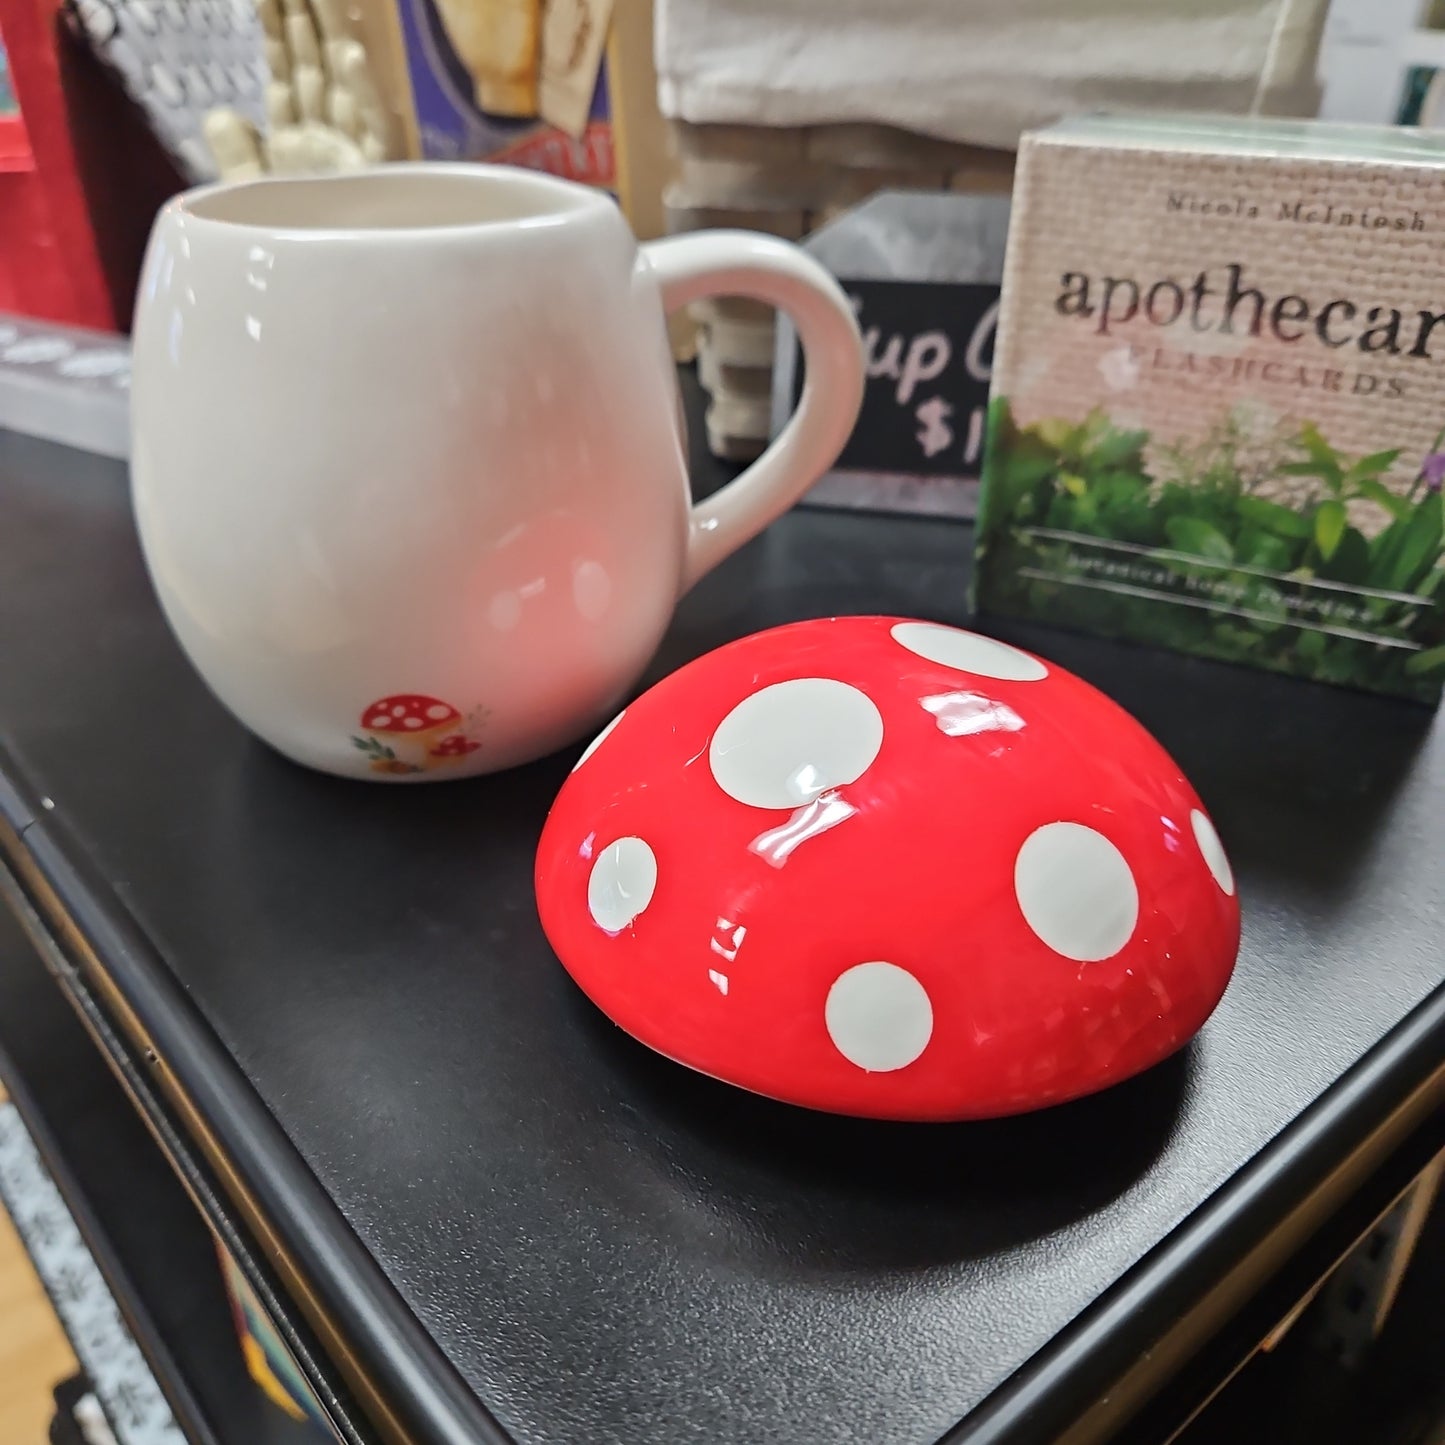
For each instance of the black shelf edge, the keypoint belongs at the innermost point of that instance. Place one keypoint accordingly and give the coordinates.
(1214, 1367)
(153, 1126)
(365, 1328)
(1099, 1373)
(154, 1253)
(1081, 1388)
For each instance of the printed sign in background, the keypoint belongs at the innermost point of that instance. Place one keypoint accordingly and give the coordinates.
(927, 347)
(922, 270)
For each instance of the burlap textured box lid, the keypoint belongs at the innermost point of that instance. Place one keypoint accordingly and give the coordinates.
(1218, 406)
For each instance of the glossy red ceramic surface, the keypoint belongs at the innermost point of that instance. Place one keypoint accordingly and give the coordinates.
(889, 868)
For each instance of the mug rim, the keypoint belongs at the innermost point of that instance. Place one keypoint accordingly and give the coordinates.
(569, 200)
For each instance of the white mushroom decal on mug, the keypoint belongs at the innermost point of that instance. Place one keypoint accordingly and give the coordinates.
(889, 868)
(410, 733)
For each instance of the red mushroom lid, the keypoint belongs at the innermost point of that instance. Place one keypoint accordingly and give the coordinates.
(408, 712)
(889, 868)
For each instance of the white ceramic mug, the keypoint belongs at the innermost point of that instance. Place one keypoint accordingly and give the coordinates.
(407, 455)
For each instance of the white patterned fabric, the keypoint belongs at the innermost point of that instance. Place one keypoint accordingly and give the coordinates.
(981, 71)
(179, 59)
(134, 1407)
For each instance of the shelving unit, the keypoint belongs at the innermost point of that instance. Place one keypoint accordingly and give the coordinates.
(402, 1115)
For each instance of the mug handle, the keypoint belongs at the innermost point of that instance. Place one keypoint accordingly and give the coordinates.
(744, 263)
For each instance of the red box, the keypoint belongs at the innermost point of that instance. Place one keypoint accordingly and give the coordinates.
(49, 265)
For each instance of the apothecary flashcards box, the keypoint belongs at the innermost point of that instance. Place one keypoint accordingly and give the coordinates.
(1218, 411)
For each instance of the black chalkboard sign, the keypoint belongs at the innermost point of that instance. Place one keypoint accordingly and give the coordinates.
(929, 350)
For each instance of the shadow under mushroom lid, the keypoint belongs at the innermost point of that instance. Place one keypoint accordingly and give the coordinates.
(888, 868)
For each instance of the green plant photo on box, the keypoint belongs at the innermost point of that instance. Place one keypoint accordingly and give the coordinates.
(1276, 550)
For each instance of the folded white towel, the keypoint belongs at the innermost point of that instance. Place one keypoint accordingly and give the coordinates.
(980, 71)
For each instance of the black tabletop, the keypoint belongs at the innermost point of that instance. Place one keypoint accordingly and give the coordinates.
(529, 1227)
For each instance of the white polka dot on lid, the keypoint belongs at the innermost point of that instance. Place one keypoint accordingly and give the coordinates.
(1076, 891)
(1213, 850)
(437, 711)
(621, 884)
(879, 1016)
(598, 740)
(791, 742)
(968, 652)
